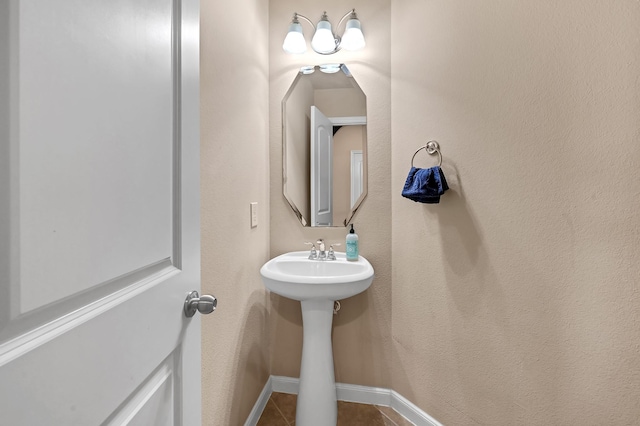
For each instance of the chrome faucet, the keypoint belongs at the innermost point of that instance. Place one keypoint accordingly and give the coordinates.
(331, 255)
(322, 254)
(313, 254)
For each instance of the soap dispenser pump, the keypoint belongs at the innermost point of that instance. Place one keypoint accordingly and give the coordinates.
(352, 245)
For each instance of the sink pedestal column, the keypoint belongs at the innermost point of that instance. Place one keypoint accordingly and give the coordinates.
(317, 402)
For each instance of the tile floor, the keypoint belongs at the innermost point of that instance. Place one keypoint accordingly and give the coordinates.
(281, 411)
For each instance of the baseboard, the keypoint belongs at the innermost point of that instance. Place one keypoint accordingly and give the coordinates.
(411, 411)
(258, 407)
(285, 384)
(346, 392)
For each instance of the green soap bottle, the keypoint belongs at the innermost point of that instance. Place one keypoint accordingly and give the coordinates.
(352, 245)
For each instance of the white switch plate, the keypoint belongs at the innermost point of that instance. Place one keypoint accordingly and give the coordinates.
(254, 214)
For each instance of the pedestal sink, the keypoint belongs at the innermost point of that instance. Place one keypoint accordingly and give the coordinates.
(316, 284)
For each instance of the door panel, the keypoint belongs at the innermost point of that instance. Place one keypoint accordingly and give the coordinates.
(154, 401)
(321, 169)
(111, 179)
(99, 229)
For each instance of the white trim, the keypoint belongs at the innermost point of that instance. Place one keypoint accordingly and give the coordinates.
(285, 384)
(411, 412)
(162, 377)
(37, 337)
(258, 407)
(346, 392)
(348, 121)
(363, 394)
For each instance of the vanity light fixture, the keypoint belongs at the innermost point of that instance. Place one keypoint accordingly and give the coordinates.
(324, 41)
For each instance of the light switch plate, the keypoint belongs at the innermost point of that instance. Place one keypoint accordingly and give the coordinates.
(254, 214)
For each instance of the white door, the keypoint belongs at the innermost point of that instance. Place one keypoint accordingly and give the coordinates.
(99, 212)
(321, 169)
(357, 176)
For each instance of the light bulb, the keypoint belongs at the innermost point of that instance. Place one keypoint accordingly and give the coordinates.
(294, 42)
(353, 39)
(308, 69)
(323, 40)
(330, 68)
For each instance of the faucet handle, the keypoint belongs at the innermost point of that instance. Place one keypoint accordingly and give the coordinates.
(331, 255)
(313, 254)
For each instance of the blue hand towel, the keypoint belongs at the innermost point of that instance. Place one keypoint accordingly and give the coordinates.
(425, 185)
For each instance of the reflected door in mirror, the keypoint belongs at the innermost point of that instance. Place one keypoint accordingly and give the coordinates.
(331, 193)
(321, 169)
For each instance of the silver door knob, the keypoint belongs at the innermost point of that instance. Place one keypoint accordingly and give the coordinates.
(204, 304)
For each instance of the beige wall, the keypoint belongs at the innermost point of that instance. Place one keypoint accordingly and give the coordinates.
(234, 166)
(515, 300)
(341, 102)
(362, 329)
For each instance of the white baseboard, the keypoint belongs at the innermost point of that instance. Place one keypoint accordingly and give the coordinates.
(284, 384)
(349, 393)
(258, 407)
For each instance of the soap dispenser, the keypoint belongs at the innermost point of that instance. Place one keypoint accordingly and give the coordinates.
(352, 245)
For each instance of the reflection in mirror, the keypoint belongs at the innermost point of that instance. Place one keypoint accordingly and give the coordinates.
(324, 146)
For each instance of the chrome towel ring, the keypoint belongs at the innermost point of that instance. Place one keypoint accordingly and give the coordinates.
(431, 147)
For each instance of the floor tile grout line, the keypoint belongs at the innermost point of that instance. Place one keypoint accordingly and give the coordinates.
(280, 411)
(385, 416)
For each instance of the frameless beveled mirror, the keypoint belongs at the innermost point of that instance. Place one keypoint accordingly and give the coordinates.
(324, 145)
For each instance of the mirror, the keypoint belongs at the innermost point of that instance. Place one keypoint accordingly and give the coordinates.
(324, 145)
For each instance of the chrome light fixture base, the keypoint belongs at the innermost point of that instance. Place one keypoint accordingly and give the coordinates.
(324, 40)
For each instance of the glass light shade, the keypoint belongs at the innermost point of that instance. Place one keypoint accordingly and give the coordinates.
(308, 69)
(294, 42)
(330, 68)
(353, 39)
(323, 40)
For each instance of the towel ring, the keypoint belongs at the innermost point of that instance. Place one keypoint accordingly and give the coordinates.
(431, 147)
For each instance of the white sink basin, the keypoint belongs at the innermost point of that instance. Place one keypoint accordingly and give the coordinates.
(316, 284)
(294, 276)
